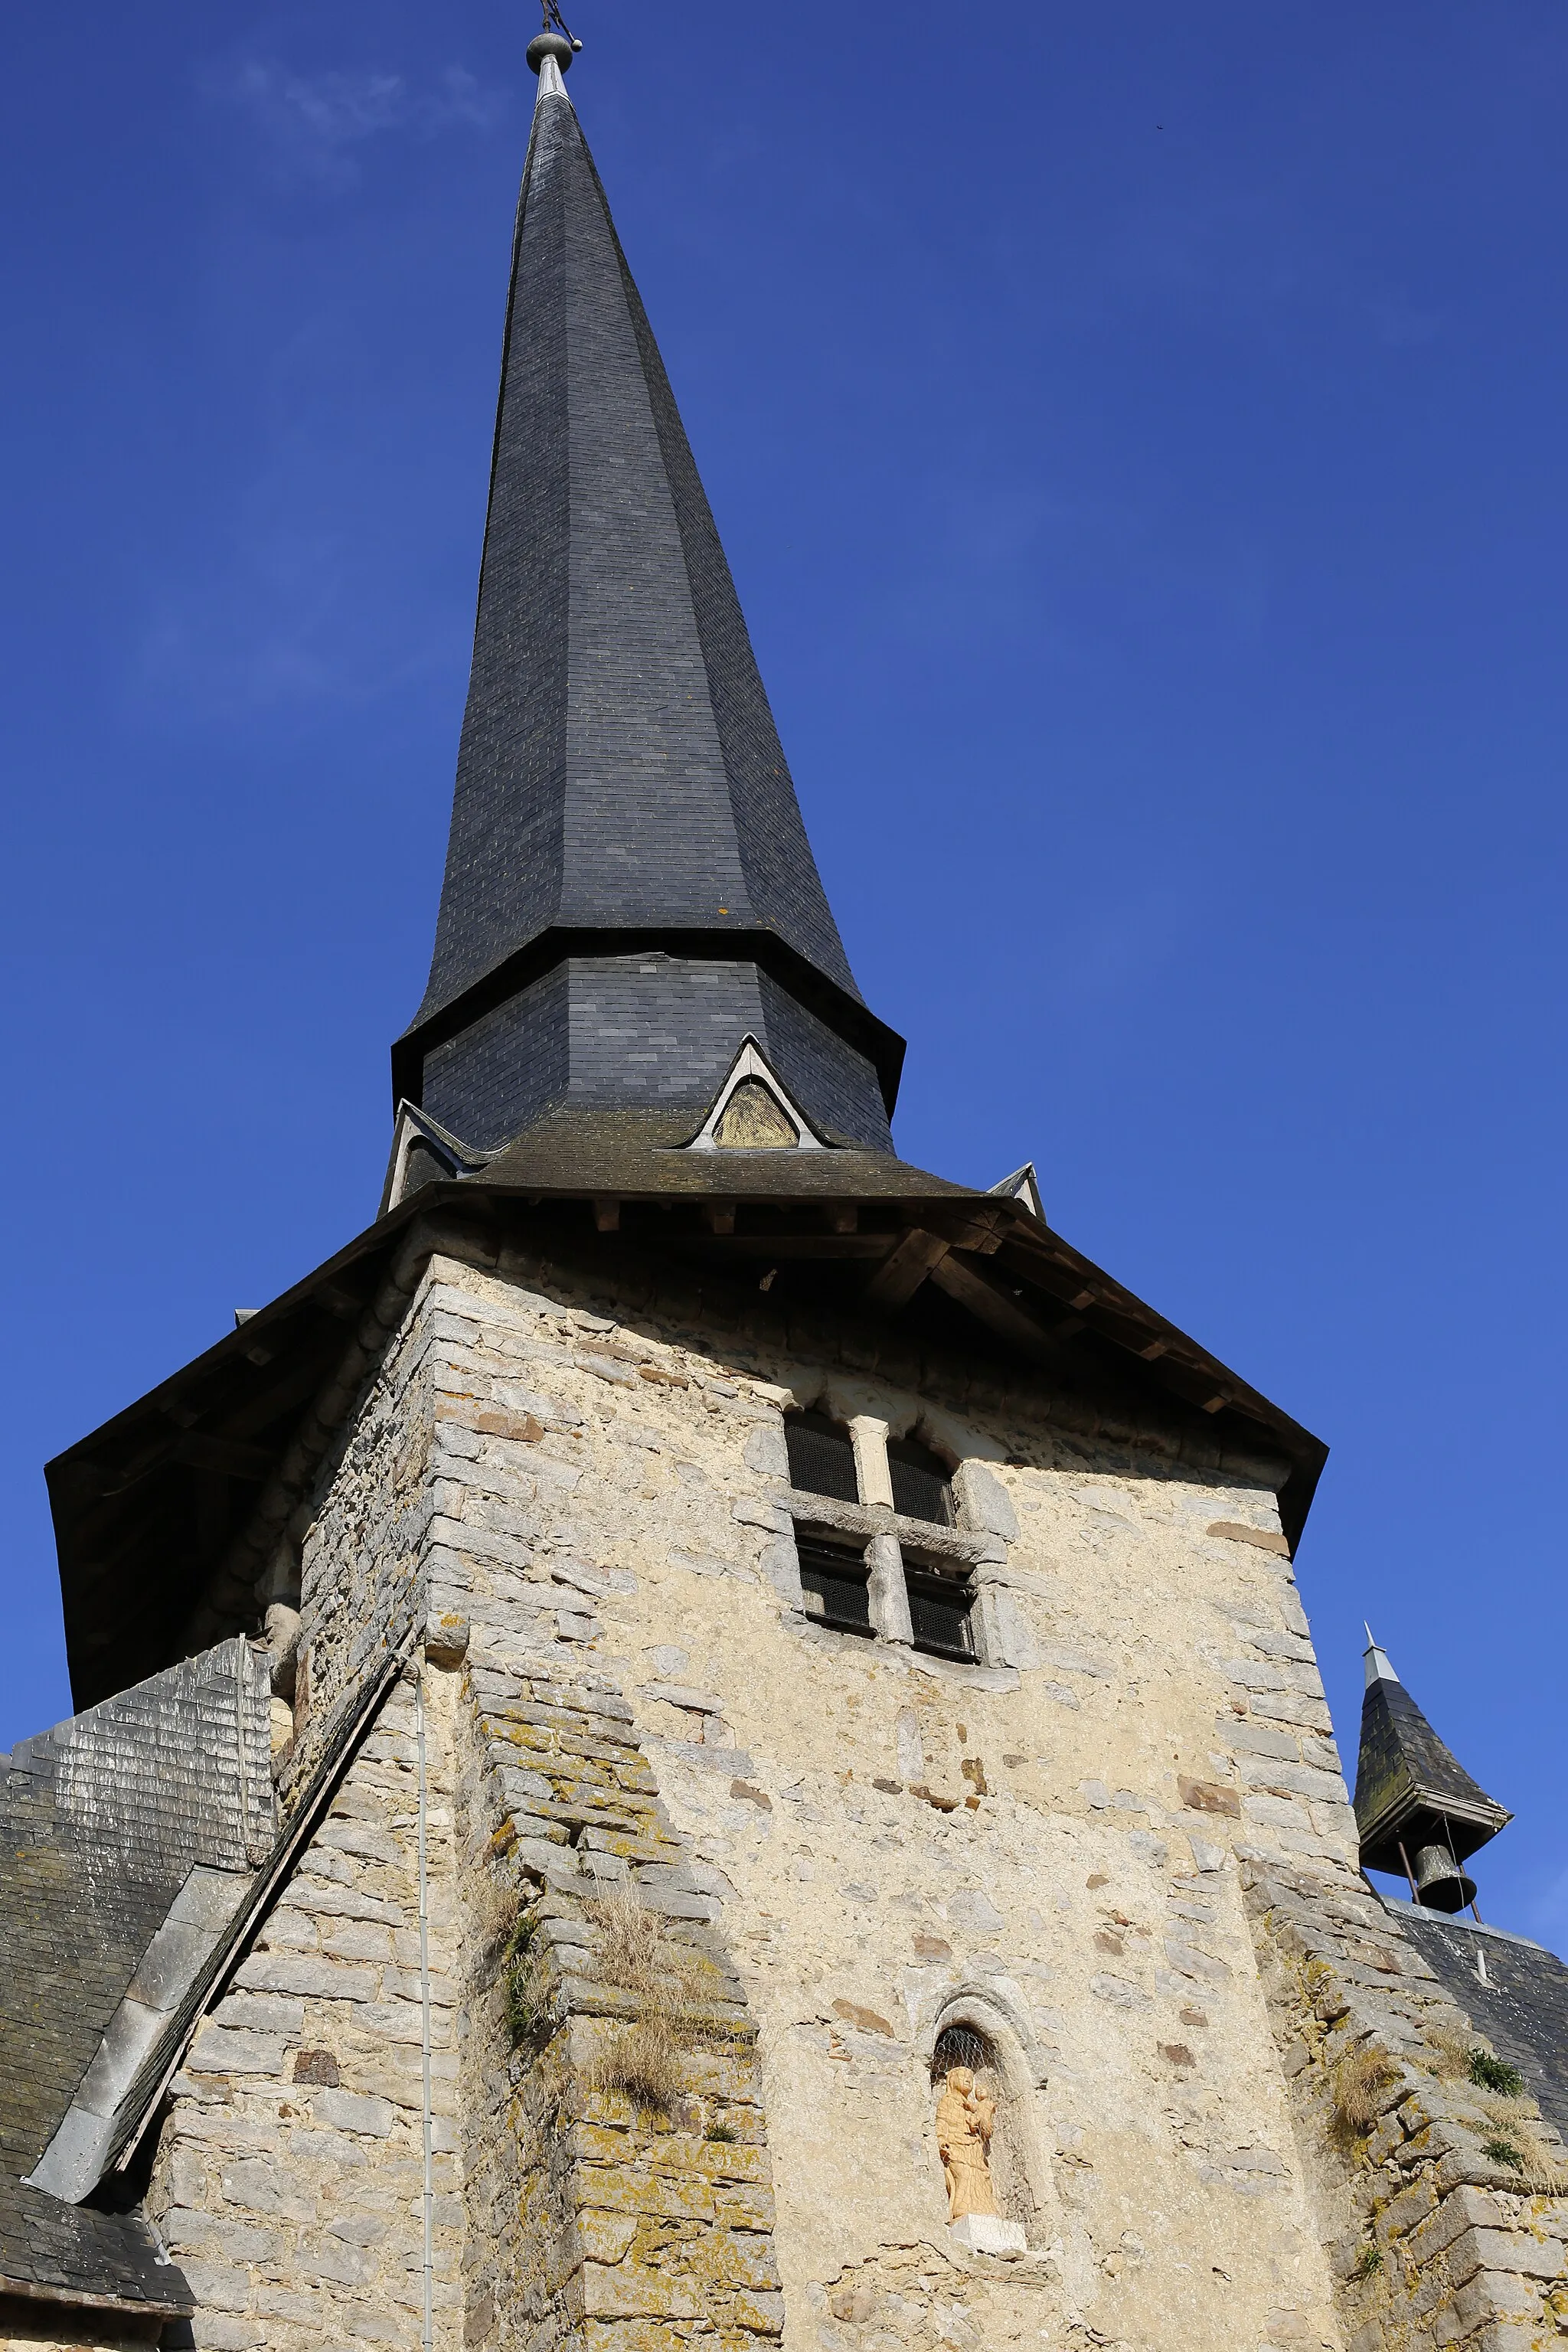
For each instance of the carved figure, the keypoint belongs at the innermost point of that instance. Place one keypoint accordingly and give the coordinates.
(965, 2120)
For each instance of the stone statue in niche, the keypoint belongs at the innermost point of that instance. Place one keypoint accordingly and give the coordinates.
(965, 2120)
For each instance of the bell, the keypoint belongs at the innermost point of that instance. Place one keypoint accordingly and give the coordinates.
(1440, 1883)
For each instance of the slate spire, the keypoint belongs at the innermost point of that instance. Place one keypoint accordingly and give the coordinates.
(629, 891)
(1419, 1813)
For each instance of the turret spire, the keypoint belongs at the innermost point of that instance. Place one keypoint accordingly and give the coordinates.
(1419, 1813)
(629, 893)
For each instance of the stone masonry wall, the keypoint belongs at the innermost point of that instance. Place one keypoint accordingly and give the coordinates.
(595, 2221)
(1434, 2194)
(583, 1490)
(1044, 1849)
(289, 2176)
(289, 2172)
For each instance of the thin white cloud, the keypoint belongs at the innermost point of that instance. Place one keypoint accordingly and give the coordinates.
(314, 122)
(1547, 1912)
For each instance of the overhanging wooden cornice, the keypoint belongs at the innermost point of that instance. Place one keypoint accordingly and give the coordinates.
(140, 1503)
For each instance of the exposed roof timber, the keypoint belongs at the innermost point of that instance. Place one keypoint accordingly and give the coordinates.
(340, 1303)
(995, 1306)
(107, 1537)
(72, 2298)
(269, 1404)
(230, 1457)
(120, 1615)
(721, 1243)
(896, 1282)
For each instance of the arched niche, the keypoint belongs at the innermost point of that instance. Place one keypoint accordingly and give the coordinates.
(1013, 2070)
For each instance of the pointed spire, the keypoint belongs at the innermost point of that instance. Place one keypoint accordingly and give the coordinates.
(1419, 1813)
(629, 890)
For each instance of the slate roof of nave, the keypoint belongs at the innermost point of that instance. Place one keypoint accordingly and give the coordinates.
(101, 1821)
(1520, 2004)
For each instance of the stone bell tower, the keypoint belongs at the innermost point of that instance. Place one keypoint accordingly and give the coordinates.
(705, 1739)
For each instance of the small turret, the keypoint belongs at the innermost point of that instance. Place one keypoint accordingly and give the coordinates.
(1419, 1813)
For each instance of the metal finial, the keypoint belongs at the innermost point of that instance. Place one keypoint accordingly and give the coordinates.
(557, 40)
(1378, 1669)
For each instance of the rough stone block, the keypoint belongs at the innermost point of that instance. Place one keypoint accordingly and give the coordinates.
(220, 2051)
(261, 2186)
(261, 2012)
(307, 1977)
(1488, 2295)
(984, 1501)
(214, 2331)
(633, 2291)
(220, 2286)
(354, 2111)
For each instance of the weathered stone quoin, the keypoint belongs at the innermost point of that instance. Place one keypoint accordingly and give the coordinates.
(706, 1740)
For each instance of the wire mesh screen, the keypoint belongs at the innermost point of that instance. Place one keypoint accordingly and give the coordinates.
(920, 1488)
(939, 1615)
(837, 1585)
(959, 2045)
(821, 1458)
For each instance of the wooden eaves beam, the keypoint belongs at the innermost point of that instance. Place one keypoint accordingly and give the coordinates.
(992, 1302)
(782, 1245)
(899, 1277)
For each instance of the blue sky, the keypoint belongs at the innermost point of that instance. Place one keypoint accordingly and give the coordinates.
(1138, 436)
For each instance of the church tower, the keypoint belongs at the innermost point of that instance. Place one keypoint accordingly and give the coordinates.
(706, 1739)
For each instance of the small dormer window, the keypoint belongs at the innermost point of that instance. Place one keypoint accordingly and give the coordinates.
(821, 1457)
(922, 1488)
(754, 1111)
(753, 1120)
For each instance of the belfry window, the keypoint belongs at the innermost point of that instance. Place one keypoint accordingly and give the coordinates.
(942, 1610)
(821, 1457)
(836, 1583)
(921, 1489)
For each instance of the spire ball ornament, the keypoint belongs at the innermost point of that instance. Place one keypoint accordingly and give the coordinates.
(552, 45)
